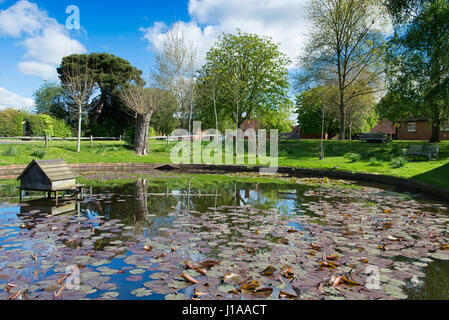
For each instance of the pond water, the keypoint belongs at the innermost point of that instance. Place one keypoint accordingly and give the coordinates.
(299, 239)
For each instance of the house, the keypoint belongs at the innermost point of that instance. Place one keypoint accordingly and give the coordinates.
(419, 129)
(385, 126)
(48, 176)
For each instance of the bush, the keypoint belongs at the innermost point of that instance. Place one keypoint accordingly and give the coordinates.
(353, 157)
(398, 162)
(10, 152)
(11, 123)
(38, 153)
(45, 125)
(373, 162)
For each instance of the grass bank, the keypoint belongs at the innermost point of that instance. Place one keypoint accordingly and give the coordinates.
(351, 156)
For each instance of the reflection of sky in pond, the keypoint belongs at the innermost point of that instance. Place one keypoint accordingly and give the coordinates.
(154, 212)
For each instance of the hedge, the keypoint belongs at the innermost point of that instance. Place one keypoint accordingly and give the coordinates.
(45, 125)
(11, 123)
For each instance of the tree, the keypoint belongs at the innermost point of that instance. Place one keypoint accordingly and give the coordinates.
(310, 105)
(175, 71)
(418, 71)
(141, 103)
(78, 81)
(345, 49)
(110, 73)
(251, 74)
(49, 100)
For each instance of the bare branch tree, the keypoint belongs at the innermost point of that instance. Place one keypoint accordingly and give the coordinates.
(141, 103)
(175, 71)
(78, 81)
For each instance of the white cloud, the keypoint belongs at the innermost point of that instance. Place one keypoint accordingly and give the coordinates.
(283, 20)
(46, 41)
(12, 100)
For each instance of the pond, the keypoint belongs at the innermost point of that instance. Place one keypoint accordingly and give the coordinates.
(230, 238)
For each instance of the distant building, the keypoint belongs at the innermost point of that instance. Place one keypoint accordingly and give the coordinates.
(419, 129)
(385, 126)
(297, 130)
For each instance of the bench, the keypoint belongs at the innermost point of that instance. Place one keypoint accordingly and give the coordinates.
(429, 151)
(374, 137)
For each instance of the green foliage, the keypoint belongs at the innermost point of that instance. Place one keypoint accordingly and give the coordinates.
(38, 153)
(398, 162)
(353, 157)
(418, 62)
(11, 123)
(242, 70)
(373, 161)
(49, 100)
(10, 152)
(45, 125)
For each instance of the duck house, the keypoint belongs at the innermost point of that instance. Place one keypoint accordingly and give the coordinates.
(48, 176)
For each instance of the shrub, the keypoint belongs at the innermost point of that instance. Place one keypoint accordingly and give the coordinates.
(373, 162)
(11, 123)
(10, 152)
(38, 153)
(398, 162)
(44, 125)
(353, 157)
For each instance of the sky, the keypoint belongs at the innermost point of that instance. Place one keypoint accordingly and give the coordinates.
(34, 35)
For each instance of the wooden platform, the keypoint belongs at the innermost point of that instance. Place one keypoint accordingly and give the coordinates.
(78, 188)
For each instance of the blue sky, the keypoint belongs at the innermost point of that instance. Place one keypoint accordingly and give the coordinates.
(34, 37)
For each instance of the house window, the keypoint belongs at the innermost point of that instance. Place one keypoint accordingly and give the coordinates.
(445, 126)
(411, 127)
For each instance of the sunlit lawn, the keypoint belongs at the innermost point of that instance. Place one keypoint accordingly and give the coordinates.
(375, 158)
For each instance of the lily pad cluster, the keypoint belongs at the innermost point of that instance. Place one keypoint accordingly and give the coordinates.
(342, 243)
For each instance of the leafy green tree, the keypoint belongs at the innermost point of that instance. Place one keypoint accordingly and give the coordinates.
(345, 50)
(243, 74)
(418, 69)
(110, 72)
(310, 105)
(49, 100)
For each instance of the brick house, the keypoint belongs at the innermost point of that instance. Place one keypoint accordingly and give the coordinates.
(385, 126)
(306, 136)
(419, 129)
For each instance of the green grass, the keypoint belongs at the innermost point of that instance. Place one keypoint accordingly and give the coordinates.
(374, 158)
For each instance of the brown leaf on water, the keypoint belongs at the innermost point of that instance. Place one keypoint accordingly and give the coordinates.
(269, 271)
(148, 248)
(283, 241)
(251, 285)
(209, 263)
(444, 247)
(16, 295)
(288, 295)
(57, 294)
(315, 247)
(191, 266)
(188, 278)
(337, 282)
(350, 282)
(289, 274)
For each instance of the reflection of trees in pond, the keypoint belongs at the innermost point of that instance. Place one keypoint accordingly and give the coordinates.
(435, 286)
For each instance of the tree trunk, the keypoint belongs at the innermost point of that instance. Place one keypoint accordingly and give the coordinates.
(436, 128)
(99, 109)
(141, 134)
(342, 118)
(78, 148)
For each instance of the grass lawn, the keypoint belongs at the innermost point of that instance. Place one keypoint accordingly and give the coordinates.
(374, 158)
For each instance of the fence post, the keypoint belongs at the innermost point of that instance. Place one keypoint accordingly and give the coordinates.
(91, 142)
(168, 140)
(46, 141)
(120, 138)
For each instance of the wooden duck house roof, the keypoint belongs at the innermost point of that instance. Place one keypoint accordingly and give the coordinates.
(55, 170)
